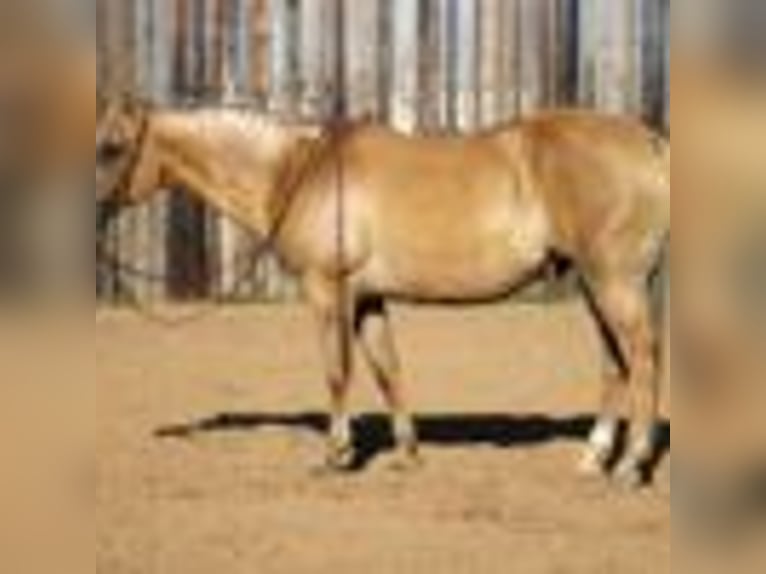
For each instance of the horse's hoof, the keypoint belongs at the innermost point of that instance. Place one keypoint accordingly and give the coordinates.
(405, 459)
(340, 459)
(630, 475)
(592, 464)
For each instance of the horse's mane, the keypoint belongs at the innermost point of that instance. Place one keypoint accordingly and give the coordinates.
(249, 108)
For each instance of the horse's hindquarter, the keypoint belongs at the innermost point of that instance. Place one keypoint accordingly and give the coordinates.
(437, 218)
(606, 185)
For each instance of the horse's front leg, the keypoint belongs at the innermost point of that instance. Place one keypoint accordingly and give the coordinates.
(333, 313)
(377, 341)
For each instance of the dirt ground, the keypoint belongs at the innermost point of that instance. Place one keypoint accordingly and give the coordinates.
(209, 441)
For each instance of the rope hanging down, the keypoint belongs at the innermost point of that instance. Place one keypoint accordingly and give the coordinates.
(336, 132)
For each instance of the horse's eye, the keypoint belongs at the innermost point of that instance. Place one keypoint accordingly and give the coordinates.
(109, 152)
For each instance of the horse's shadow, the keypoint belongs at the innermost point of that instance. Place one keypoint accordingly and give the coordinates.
(373, 436)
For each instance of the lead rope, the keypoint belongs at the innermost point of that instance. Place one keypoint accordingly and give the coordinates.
(345, 311)
(135, 303)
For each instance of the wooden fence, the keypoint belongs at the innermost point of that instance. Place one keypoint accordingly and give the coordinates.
(418, 65)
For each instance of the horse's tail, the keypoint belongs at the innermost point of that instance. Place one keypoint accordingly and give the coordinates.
(660, 282)
(665, 151)
(659, 292)
(663, 207)
(661, 145)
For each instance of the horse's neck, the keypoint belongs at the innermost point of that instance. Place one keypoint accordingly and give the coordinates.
(217, 158)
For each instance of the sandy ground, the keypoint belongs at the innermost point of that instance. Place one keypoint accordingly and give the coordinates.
(209, 439)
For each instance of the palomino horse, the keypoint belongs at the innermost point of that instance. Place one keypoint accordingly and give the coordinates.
(363, 216)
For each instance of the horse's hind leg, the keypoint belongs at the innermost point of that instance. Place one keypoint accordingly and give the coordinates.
(334, 321)
(376, 339)
(602, 442)
(626, 310)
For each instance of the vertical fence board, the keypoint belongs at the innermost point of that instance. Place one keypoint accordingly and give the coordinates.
(404, 71)
(466, 59)
(362, 74)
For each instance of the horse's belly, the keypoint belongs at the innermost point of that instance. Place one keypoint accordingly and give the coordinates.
(480, 249)
(447, 286)
(452, 273)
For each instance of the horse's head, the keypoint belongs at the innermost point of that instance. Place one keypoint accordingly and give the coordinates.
(121, 135)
